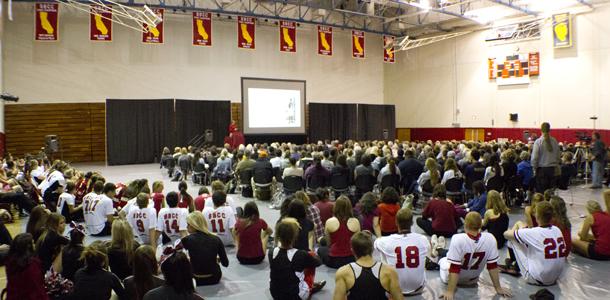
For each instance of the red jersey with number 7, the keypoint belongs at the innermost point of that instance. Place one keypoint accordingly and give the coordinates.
(407, 253)
(220, 221)
(472, 254)
(171, 221)
(546, 252)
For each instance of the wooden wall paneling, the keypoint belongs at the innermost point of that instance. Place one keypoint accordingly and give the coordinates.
(79, 126)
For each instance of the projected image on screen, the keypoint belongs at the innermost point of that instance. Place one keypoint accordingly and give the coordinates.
(274, 108)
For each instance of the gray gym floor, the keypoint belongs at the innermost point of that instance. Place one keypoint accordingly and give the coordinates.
(583, 279)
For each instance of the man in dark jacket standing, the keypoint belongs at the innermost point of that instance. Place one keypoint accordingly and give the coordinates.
(598, 152)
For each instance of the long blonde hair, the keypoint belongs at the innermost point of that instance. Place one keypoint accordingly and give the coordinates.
(122, 238)
(495, 203)
(198, 222)
(433, 168)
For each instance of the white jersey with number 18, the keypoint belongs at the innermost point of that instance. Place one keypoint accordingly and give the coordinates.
(407, 253)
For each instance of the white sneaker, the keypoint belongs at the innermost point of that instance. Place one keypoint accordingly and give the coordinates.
(441, 242)
(434, 243)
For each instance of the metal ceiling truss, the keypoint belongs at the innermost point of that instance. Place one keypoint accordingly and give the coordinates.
(511, 4)
(407, 44)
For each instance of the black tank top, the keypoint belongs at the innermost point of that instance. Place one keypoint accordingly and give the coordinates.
(367, 285)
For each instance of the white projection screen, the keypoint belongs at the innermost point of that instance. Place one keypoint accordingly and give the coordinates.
(273, 106)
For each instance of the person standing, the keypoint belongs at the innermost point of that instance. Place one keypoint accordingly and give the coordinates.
(546, 160)
(598, 151)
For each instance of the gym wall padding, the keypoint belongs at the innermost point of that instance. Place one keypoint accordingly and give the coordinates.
(137, 130)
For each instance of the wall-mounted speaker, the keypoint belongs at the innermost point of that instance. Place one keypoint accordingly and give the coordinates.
(514, 117)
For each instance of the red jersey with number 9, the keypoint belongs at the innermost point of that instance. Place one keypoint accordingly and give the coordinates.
(171, 221)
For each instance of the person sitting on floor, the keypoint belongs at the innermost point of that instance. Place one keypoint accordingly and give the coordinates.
(539, 253)
(596, 245)
(496, 219)
(338, 230)
(442, 212)
(468, 255)
(205, 250)
(288, 279)
(145, 273)
(366, 279)
(94, 281)
(24, 271)
(252, 233)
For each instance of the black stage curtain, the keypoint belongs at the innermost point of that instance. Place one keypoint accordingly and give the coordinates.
(374, 119)
(332, 121)
(137, 130)
(193, 117)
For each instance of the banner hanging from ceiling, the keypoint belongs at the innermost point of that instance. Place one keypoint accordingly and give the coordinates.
(288, 36)
(325, 40)
(246, 32)
(389, 49)
(357, 44)
(100, 23)
(154, 35)
(562, 30)
(202, 28)
(46, 22)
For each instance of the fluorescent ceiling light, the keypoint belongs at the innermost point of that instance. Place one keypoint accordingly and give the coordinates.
(546, 6)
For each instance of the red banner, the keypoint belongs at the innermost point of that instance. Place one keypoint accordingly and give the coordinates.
(100, 23)
(325, 40)
(389, 51)
(47, 21)
(154, 35)
(534, 63)
(202, 28)
(246, 30)
(288, 36)
(357, 44)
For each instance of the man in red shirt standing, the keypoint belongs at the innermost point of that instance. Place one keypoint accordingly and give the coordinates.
(442, 212)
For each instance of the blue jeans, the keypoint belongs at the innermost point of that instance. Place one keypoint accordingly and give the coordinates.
(597, 174)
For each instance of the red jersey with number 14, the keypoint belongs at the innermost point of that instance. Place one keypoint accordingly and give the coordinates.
(172, 221)
(407, 253)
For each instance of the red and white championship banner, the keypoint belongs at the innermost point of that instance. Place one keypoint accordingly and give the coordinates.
(389, 51)
(100, 23)
(534, 63)
(155, 34)
(357, 44)
(202, 28)
(288, 36)
(325, 40)
(246, 29)
(47, 21)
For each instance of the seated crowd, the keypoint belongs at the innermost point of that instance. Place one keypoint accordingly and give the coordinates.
(460, 189)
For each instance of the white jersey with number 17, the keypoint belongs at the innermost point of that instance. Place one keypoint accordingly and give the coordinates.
(407, 253)
(472, 253)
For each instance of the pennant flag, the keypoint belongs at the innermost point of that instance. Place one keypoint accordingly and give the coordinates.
(100, 23)
(46, 22)
(202, 28)
(288, 36)
(357, 44)
(389, 49)
(246, 30)
(325, 40)
(534, 63)
(155, 34)
(562, 30)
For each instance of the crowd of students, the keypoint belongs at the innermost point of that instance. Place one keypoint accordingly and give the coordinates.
(314, 227)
